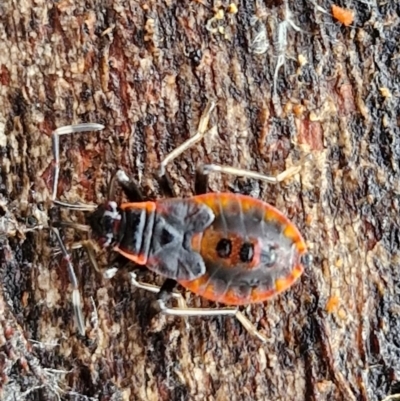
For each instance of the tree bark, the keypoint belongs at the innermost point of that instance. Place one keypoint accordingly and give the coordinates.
(292, 87)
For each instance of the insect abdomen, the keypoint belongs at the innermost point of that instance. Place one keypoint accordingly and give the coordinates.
(251, 251)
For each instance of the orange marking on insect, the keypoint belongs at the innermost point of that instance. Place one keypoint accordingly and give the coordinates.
(207, 242)
(140, 259)
(209, 200)
(196, 242)
(259, 295)
(203, 287)
(226, 201)
(272, 214)
(200, 286)
(282, 284)
(247, 204)
(343, 15)
(232, 298)
(297, 271)
(149, 207)
(256, 256)
(301, 247)
(291, 232)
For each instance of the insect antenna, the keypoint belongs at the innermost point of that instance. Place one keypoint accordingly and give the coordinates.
(82, 207)
(76, 298)
(68, 129)
(76, 226)
(88, 245)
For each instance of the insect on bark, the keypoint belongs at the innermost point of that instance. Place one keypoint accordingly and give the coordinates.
(229, 248)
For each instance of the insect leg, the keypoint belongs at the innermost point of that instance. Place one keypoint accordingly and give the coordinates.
(128, 185)
(76, 298)
(167, 289)
(202, 173)
(118, 263)
(215, 168)
(156, 290)
(164, 179)
(201, 131)
(166, 186)
(200, 182)
(213, 312)
(68, 129)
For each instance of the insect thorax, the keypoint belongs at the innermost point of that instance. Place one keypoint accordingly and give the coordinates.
(158, 234)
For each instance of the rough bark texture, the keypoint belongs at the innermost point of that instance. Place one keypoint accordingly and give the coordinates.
(146, 70)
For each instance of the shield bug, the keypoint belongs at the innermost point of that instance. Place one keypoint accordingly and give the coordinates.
(229, 248)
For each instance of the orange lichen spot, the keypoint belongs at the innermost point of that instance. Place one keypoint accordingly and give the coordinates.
(308, 219)
(90, 22)
(288, 107)
(302, 60)
(324, 386)
(385, 92)
(107, 31)
(232, 8)
(298, 110)
(381, 288)
(332, 304)
(219, 14)
(339, 263)
(65, 5)
(342, 314)
(343, 15)
(24, 364)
